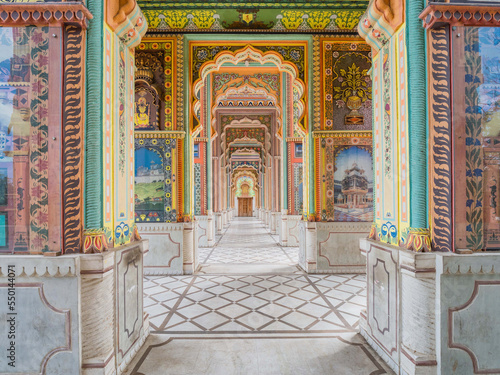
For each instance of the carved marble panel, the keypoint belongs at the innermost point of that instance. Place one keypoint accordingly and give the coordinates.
(470, 323)
(45, 316)
(165, 248)
(129, 301)
(338, 247)
(382, 303)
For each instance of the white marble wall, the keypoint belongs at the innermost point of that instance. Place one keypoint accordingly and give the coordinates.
(47, 325)
(166, 241)
(469, 324)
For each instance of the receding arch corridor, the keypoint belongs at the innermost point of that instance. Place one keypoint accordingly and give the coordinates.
(242, 321)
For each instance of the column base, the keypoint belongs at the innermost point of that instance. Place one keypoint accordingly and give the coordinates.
(81, 301)
(422, 308)
(165, 248)
(289, 235)
(206, 230)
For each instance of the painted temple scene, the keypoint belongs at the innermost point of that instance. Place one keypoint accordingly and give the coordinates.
(267, 187)
(354, 188)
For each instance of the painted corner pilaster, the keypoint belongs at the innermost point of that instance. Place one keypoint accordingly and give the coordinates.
(127, 21)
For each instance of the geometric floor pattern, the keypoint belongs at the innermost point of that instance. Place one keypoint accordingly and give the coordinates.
(247, 241)
(259, 323)
(254, 303)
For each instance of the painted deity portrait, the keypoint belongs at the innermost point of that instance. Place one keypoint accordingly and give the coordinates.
(146, 110)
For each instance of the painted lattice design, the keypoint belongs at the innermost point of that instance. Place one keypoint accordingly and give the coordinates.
(298, 177)
(233, 134)
(197, 189)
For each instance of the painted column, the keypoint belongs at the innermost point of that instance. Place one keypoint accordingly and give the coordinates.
(93, 129)
(417, 122)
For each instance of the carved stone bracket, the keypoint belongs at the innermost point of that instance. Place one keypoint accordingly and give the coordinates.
(43, 14)
(380, 21)
(127, 21)
(438, 14)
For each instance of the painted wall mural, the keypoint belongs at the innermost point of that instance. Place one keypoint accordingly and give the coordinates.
(148, 187)
(476, 202)
(160, 57)
(153, 180)
(347, 179)
(353, 184)
(347, 96)
(24, 163)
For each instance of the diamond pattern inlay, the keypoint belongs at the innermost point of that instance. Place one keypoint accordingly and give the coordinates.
(255, 303)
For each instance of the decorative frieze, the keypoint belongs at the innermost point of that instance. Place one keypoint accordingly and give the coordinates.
(44, 14)
(436, 15)
(160, 134)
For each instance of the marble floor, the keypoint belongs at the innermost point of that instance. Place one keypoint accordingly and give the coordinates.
(284, 322)
(246, 241)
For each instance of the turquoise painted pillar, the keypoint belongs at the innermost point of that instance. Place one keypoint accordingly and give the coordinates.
(417, 114)
(93, 217)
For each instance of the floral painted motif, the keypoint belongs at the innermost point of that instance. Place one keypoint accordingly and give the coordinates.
(386, 102)
(347, 85)
(122, 124)
(473, 147)
(39, 109)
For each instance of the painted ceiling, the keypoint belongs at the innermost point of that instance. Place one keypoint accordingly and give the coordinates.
(238, 16)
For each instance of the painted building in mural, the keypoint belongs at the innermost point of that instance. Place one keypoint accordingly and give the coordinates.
(365, 133)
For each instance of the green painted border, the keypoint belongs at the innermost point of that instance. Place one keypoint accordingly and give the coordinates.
(204, 4)
(93, 191)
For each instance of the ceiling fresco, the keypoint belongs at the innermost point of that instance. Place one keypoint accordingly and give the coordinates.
(241, 16)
